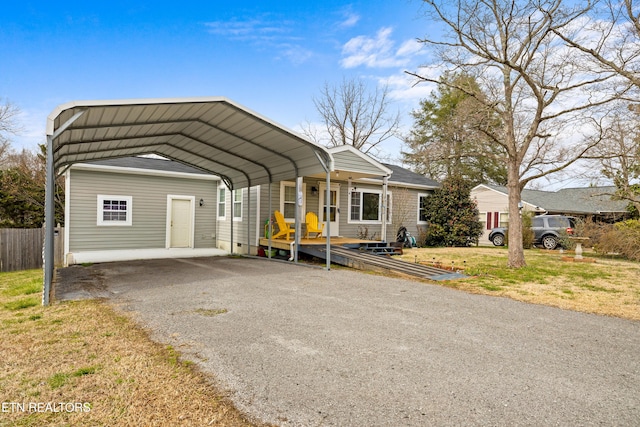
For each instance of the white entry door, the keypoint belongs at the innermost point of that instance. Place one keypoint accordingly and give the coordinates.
(334, 208)
(180, 222)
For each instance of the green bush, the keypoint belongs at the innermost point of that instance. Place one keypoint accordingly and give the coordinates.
(451, 215)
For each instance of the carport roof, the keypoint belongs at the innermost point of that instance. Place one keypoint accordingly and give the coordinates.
(213, 134)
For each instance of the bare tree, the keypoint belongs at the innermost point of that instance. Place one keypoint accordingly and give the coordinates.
(618, 153)
(352, 114)
(608, 37)
(534, 84)
(8, 125)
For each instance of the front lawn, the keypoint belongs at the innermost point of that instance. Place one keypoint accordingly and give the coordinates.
(608, 286)
(80, 363)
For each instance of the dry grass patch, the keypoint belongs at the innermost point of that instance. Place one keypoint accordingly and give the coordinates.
(608, 286)
(98, 364)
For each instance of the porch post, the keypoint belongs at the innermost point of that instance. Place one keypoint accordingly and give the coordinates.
(299, 199)
(385, 208)
(269, 223)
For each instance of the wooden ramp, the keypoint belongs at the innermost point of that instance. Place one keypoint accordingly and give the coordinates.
(362, 260)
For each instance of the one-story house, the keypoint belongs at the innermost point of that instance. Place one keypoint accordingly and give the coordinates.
(594, 202)
(144, 207)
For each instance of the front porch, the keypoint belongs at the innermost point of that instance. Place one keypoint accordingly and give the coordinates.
(320, 241)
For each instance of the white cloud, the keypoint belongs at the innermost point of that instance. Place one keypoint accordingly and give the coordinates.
(295, 54)
(278, 36)
(252, 29)
(379, 51)
(350, 20)
(32, 132)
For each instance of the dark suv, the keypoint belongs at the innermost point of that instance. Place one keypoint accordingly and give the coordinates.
(548, 230)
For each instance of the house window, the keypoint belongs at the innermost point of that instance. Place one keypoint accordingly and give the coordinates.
(288, 199)
(365, 206)
(422, 212)
(114, 210)
(504, 219)
(222, 202)
(237, 204)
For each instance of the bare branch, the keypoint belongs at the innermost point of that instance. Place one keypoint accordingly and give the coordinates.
(354, 115)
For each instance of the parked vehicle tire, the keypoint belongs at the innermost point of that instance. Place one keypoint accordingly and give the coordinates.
(549, 242)
(498, 240)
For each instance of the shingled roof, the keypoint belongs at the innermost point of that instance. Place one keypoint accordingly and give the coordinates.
(584, 200)
(150, 163)
(399, 175)
(405, 176)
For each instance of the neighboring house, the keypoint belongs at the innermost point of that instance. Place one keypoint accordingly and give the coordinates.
(136, 207)
(592, 202)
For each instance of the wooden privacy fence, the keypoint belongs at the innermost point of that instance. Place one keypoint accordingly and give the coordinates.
(21, 248)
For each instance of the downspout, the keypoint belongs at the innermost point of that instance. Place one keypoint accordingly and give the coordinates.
(231, 220)
(249, 218)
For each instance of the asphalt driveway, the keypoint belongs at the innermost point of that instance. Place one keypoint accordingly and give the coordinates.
(299, 346)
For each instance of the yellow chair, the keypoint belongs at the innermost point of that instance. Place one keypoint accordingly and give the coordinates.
(312, 225)
(284, 226)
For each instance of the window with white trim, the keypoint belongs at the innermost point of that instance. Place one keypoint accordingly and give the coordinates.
(422, 203)
(114, 210)
(222, 202)
(288, 199)
(237, 204)
(365, 206)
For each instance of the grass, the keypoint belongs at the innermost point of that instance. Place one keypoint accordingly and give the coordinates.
(85, 354)
(608, 286)
(97, 363)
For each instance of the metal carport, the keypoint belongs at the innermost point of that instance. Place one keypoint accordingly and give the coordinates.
(213, 134)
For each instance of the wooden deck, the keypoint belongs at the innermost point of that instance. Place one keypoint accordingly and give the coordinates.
(321, 241)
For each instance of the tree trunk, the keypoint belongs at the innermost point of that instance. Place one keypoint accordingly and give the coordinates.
(516, 250)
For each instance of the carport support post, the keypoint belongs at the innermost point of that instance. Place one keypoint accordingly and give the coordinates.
(49, 223)
(327, 207)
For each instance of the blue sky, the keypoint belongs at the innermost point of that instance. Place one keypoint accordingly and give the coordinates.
(272, 57)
